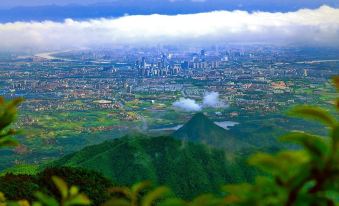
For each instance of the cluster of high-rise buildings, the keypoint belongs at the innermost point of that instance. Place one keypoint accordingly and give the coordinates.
(160, 68)
(165, 66)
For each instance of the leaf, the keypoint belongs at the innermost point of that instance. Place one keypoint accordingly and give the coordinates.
(172, 202)
(36, 204)
(337, 103)
(137, 188)
(284, 165)
(335, 81)
(315, 145)
(266, 162)
(61, 185)
(8, 133)
(11, 203)
(6, 119)
(117, 202)
(335, 136)
(74, 190)
(206, 200)
(231, 199)
(18, 203)
(8, 142)
(80, 199)
(2, 197)
(8, 111)
(14, 103)
(122, 190)
(23, 203)
(313, 113)
(237, 188)
(46, 200)
(237, 192)
(154, 195)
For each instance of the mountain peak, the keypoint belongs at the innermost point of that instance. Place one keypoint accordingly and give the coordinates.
(200, 115)
(201, 118)
(202, 129)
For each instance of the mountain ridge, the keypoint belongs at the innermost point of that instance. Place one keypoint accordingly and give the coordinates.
(188, 168)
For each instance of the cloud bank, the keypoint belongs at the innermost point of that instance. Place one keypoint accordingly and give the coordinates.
(210, 100)
(313, 27)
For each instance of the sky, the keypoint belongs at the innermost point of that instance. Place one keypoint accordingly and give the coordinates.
(58, 10)
(310, 23)
(32, 3)
(15, 3)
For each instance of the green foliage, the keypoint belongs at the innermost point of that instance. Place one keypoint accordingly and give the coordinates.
(134, 196)
(89, 182)
(313, 113)
(26, 169)
(18, 187)
(8, 113)
(203, 200)
(69, 195)
(308, 176)
(140, 194)
(162, 160)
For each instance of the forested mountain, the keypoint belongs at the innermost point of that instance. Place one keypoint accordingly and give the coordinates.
(201, 129)
(188, 168)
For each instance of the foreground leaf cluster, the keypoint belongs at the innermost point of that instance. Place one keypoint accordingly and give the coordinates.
(8, 114)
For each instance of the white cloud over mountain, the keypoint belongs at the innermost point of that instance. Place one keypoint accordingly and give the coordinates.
(316, 27)
(210, 100)
(188, 105)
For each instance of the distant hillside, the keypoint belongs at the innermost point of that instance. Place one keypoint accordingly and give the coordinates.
(187, 168)
(201, 129)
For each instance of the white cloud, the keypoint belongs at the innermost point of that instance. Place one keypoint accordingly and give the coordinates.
(212, 99)
(188, 105)
(306, 26)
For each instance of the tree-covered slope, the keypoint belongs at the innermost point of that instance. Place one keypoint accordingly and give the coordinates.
(201, 129)
(24, 186)
(188, 168)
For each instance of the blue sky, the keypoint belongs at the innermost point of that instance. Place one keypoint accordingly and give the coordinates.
(15, 3)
